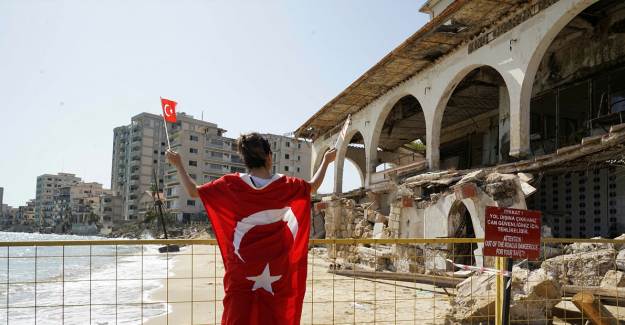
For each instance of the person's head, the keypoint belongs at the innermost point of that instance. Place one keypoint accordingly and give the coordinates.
(255, 150)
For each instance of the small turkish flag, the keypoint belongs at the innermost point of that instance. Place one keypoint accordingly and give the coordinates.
(169, 110)
(263, 238)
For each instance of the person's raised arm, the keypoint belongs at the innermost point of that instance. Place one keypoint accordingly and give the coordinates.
(317, 179)
(186, 180)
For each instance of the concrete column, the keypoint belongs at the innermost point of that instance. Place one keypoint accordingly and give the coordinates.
(332, 223)
(338, 173)
(504, 123)
(519, 124)
(370, 158)
(432, 153)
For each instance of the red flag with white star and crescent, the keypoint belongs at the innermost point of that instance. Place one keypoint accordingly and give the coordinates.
(169, 110)
(263, 238)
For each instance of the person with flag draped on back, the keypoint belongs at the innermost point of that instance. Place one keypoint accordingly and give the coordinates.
(262, 223)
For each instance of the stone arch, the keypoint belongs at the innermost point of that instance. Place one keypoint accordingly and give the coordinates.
(403, 119)
(464, 221)
(522, 118)
(442, 106)
(353, 136)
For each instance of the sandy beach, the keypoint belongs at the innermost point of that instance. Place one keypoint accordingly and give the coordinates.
(355, 300)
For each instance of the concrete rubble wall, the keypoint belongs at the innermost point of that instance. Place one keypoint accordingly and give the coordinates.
(428, 206)
(538, 287)
(534, 294)
(411, 214)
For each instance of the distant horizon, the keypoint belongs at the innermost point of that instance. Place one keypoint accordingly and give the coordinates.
(70, 76)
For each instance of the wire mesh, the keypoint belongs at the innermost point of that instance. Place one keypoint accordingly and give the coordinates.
(387, 281)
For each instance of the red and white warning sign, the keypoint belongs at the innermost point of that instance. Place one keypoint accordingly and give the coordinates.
(512, 233)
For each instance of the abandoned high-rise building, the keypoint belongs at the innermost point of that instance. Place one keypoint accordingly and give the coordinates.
(139, 151)
(48, 186)
(291, 156)
(207, 155)
(486, 96)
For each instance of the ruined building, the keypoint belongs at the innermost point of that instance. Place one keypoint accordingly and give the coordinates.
(508, 103)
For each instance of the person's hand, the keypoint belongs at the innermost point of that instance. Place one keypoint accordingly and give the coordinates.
(329, 156)
(173, 158)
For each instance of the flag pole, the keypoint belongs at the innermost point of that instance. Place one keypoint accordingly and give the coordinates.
(166, 132)
(165, 125)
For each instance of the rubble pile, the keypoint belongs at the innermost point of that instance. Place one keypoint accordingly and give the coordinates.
(451, 204)
(534, 294)
(501, 187)
(360, 220)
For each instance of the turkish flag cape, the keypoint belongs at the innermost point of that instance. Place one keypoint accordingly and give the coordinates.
(263, 239)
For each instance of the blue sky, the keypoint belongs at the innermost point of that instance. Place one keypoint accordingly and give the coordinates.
(71, 71)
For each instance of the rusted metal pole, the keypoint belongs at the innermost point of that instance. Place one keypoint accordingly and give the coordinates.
(591, 308)
(499, 265)
(507, 295)
(608, 296)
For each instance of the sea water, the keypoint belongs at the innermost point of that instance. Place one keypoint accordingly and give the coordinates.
(79, 284)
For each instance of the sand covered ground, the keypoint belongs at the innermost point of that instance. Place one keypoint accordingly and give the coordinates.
(330, 299)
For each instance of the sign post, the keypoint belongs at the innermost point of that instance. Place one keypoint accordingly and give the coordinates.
(510, 233)
(499, 261)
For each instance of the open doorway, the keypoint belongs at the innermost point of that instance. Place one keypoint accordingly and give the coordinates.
(461, 226)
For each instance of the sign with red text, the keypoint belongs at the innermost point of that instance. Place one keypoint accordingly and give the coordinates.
(512, 233)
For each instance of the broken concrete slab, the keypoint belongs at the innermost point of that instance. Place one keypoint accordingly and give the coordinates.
(378, 230)
(620, 246)
(534, 294)
(527, 189)
(430, 176)
(584, 269)
(475, 299)
(620, 260)
(541, 293)
(379, 258)
(474, 176)
(499, 177)
(525, 177)
(586, 247)
(613, 279)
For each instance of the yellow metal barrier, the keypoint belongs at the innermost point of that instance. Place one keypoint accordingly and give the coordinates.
(350, 281)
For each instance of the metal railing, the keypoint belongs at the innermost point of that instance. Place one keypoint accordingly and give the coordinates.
(350, 281)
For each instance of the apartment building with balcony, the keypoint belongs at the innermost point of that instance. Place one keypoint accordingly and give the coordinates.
(291, 156)
(48, 185)
(207, 155)
(110, 210)
(78, 203)
(25, 214)
(139, 152)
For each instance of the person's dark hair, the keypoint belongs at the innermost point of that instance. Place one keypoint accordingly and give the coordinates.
(254, 149)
